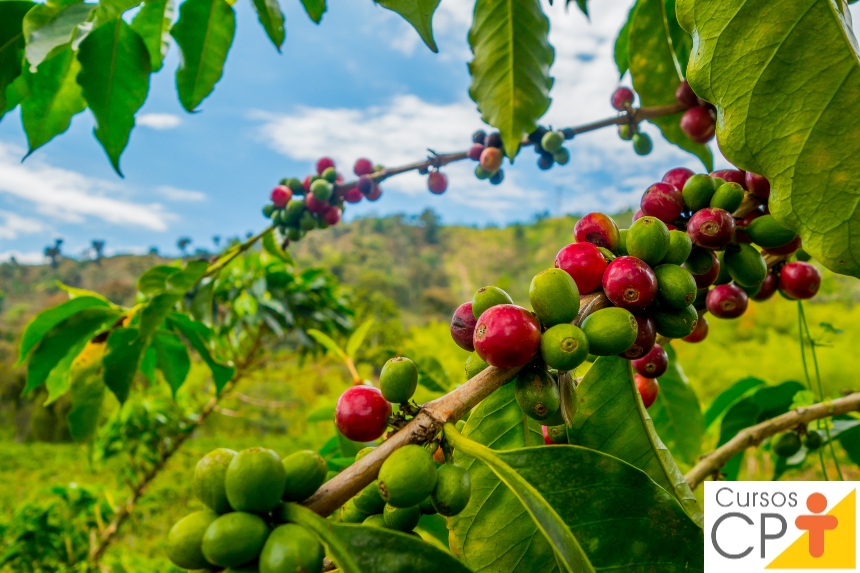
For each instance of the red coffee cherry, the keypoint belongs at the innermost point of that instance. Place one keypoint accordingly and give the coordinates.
(731, 176)
(758, 185)
(663, 201)
(648, 389)
(323, 164)
(437, 182)
(598, 229)
(701, 331)
(768, 287)
(281, 195)
(463, 327)
(677, 177)
(353, 195)
(584, 263)
(788, 249)
(711, 228)
(375, 193)
(799, 280)
(685, 95)
(629, 283)
(306, 184)
(475, 152)
(362, 413)
(699, 124)
(645, 337)
(653, 364)
(314, 205)
(332, 215)
(507, 336)
(622, 98)
(727, 301)
(638, 215)
(363, 167)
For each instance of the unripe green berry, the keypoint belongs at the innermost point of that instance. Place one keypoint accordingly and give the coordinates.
(306, 471)
(453, 490)
(610, 331)
(401, 518)
(564, 347)
(407, 476)
(369, 499)
(322, 190)
(398, 380)
(475, 365)
(487, 297)
(648, 240)
(552, 141)
(680, 247)
(786, 445)
(642, 144)
(697, 191)
(537, 394)
(329, 175)
(562, 156)
(728, 196)
(554, 297)
(676, 287)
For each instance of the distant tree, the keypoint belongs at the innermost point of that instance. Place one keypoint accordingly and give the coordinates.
(430, 221)
(54, 253)
(98, 249)
(183, 243)
(216, 239)
(153, 251)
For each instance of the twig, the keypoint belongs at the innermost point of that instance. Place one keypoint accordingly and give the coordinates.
(754, 435)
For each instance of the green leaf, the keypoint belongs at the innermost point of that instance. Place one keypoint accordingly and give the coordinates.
(187, 278)
(791, 122)
(622, 46)
(272, 19)
(656, 72)
(315, 9)
(729, 396)
(55, 98)
(125, 347)
(850, 442)
(198, 335)
(155, 311)
(612, 420)
(271, 246)
(172, 359)
(115, 80)
(419, 13)
(325, 340)
(110, 9)
(74, 292)
(46, 320)
(154, 280)
(16, 92)
(324, 413)
(62, 338)
(201, 304)
(677, 414)
(148, 364)
(432, 375)
(510, 68)
(204, 33)
(357, 338)
(59, 380)
(11, 43)
(87, 392)
(49, 26)
(153, 24)
(581, 4)
(361, 549)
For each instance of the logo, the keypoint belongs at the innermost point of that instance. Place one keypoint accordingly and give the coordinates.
(784, 527)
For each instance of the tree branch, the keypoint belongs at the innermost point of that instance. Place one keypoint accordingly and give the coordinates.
(755, 435)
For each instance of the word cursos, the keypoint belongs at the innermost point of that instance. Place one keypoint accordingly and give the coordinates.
(727, 497)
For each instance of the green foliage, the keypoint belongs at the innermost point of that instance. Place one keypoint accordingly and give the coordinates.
(153, 23)
(788, 122)
(510, 68)
(677, 414)
(315, 9)
(272, 20)
(419, 13)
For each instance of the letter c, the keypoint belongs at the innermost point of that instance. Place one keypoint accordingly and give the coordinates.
(716, 545)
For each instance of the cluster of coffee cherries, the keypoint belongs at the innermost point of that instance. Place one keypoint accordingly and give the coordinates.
(622, 100)
(242, 527)
(487, 151)
(788, 444)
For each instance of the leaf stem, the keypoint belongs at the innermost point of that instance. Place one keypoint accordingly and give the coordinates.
(800, 321)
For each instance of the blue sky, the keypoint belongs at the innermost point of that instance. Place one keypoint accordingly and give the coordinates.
(359, 84)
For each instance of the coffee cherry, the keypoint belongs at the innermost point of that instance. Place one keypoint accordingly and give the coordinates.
(757, 185)
(685, 95)
(491, 159)
(479, 137)
(562, 156)
(813, 441)
(642, 143)
(365, 185)
(610, 331)
(767, 232)
(401, 519)
(234, 539)
(663, 201)
(701, 261)
(332, 215)
(185, 537)
(475, 365)
(426, 506)
(437, 182)
(475, 152)
(255, 480)
(786, 445)
(598, 229)
(494, 140)
(699, 302)
(648, 389)
(788, 249)
(306, 471)
(291, 547)
(315, 205)
(552, 141)
(463, 326)
(281, 195)
(329, 175)
(537, 394)
(676, 287)
(407, 476)
(646, 335)
(711, 228)
(638, 215)
(376, 520)
(489, 296)
(497, 177)
(730, 176)
(269, 211)
(321, 190)
(584, 263)
(626, 132)
(564, 347)
(674, 323)
(648, 240)
(745, 265)
(728, 196)
(727, 301)
(209, 476)
(700, 333)
(708, 278)
(482, 173)
(363, 167)
(622, 98)
(723, 277)
(698, 191)
(369, 500)
(653, 364)
(768, 287)
(799, 280)
(677, 177)
(554, 297)
(375, 193)
(453, 490)
(398, 380)
(698, 124)
(362, 413)
(507, 336)
(680, 247)
(630, 284)
(323, 164)
(553, 435)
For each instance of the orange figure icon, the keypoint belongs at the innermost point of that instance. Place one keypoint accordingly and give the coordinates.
(816, 525)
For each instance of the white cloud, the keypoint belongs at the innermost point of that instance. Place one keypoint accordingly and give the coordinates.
(13, 225)
(72, 197)
(158, 121)
(24, 258)
(175, 194)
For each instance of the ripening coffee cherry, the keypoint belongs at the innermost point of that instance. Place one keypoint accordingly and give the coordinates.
(537, 394)
(768, 287)
(727, 301)
(663, 201)
(638, 215)
(323, 164)
(584, 263)
(375, 193)
(730, 176)
(463, 326)
(610, 331)
(645, 338)
(786, 445)
(353, 195)
(365, 185)
(769, 233)
(315, 205)
(648, 389)
(552, 141)
(209, 476)
(700, 333)
(677, 177)
(494, 139)
(255, 480)
(564, 347)
(362, 413)
(799, 280)
(475, 152)
(711, 228)
(234, 539)
(407, 476)
(699, 124)
(482, 173)
(398, 380)
(491, 159)
(554, 297)
(648, 240)
(630, 284)
(676, 287)
(674, 323)
(685, 95)
(507, 336)
(622, 98)
(553, 433)
(757, 185)
(653, 364)
(291, 547)
(281, 195)
(728, 196)
(185, 537)
(597, 229)
(363, 167)
(745, 265)
(642, 144)
(680, 247)
(453, 490)
(332, 215)
(487, 297)
(437, 182)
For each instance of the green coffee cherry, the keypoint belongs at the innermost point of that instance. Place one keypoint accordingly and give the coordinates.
(621, 250)
(610, 331)
(401, 518)
(562, 156)
(351, 514)
(308, 222)
(554, 297)
(625, 132)
(724, 277)
(767, 232)
(552, 141)
(564, 347)
(269, 210)
(291, 548)
(234, 539)
(376, 520)
(558, 434)
(294, 233)
(209, 478)
(426, 507)
(750, 290)
(329, 174)
(487, 297)
(407, 476)
(474, 365)
(607, 254)
(701, 297)
(699, 261)
(482, 173)
(680, 247)
(813, 441)
(698, 191)
(642, 143)
(363, 452)
(185, 537)
(802, 255)
(786, 445)
(294, 209)
(453, 490)
(369, 500)
(283, 217)
(676, 287)
(398, 380)
(728, 196)
(745, 265)
(255, 480)
(648, 240)
(537, 394)
(676, 323)
(306, 472)
(322, 190)
(295, 186)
